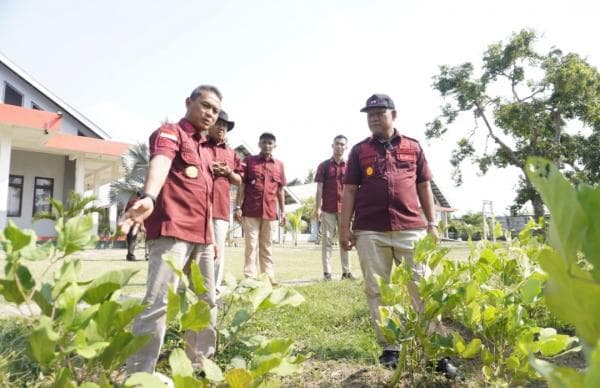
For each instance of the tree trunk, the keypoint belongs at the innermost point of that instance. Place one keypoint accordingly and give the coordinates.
(538, 206)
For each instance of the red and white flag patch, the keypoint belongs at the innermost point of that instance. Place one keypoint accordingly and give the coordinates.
(168, 135)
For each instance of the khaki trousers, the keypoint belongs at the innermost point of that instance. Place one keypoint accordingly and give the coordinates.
(153, 320)
(377, 251)
(258, 239)
(220, 227)
(329, 226)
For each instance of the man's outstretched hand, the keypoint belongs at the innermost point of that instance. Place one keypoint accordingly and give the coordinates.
(133, 218)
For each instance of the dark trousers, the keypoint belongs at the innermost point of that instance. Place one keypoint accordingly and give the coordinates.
(131, 243)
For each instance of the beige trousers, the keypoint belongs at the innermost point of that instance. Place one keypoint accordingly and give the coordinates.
(377, 251)
(153, 320)
(329, 226)
(220, 228)
(258, 240)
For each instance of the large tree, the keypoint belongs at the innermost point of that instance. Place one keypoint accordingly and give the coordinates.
(527, 103)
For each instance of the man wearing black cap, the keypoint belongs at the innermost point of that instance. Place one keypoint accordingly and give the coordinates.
(387, 177)
(227, 169)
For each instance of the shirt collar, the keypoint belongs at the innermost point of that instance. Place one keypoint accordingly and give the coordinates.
(261, 157)
(190, 129)
(343, 161)
(395, 137)
(211, 142)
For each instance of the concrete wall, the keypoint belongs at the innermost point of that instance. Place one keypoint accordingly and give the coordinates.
(30, 95)
(31, 165)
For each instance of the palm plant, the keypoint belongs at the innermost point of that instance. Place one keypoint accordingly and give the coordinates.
(295, 222)
(76, 205)
(135, 163)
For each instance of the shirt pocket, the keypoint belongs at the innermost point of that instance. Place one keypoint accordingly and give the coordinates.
(369, 166)
(189, 154)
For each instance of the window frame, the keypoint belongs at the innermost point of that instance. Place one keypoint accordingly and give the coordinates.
(9, 86)
(37, 186)
(10, 184)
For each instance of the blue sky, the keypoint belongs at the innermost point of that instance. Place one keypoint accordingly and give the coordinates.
(300, 69)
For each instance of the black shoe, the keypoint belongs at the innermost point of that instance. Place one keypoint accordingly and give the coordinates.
(446, 366)
(348, 275)
(131, 258)
(327, 276)
(389, 358)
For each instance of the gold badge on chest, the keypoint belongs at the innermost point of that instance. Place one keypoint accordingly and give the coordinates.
(191, 172)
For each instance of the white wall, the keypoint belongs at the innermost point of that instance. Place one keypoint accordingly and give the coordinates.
(31, 165)
(68, 123)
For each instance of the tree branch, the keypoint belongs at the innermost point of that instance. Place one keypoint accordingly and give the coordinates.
(498, 141)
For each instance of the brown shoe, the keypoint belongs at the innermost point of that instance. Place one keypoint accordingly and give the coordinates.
(349, 276)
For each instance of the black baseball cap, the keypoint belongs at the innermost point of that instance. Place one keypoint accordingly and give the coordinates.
(224, 117)
(378, 101)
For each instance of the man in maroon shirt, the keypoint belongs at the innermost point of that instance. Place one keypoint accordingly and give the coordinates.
(386, 178)
(227, 170)
(175, 207)
(328, 204)
(260, 200)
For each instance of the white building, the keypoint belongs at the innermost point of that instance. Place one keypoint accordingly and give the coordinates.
(47, 149)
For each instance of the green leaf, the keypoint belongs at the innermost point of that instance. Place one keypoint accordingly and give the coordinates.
(281, 297)
(530, 289)
(180, 364)
(42, 341)
(34, 252)
(173, 304)
(592, 375)
(569, 296)
(10, 291)
(127, 311)
(275, 345)
(43, 298)
(102, 287)
(64, 379)
(76, 234)
(260, 291)
(105, 316)
(553, 343)
(197, 279)
(197, 318)
(241, 316)
(558, 376)
(18, 238)
(91, 350)
(472, 349)
(212, 370)
(171, 263)
(123, 345)
(489, 314)
(238, 378)
(473, 314)
(458, 342)
(261, 365)
(143, 379)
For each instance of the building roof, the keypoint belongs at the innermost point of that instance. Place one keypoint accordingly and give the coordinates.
(52, 97)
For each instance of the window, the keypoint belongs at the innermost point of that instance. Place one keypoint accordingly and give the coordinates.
(42, 193)
(12, 96)
(35, 106)
(15, 195)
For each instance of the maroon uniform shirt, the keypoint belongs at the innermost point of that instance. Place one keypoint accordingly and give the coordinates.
(183, 206)
(387, 176)
(221, 186)
(262, 179)
(331, 174)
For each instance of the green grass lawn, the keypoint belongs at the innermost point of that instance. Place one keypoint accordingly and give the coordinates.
(333, 324)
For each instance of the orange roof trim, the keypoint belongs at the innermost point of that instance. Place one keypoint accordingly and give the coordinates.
(87, 145)
(11, 115)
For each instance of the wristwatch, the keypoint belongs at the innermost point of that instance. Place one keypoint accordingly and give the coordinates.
(237, 208)
(432, 224)
(142, 194)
